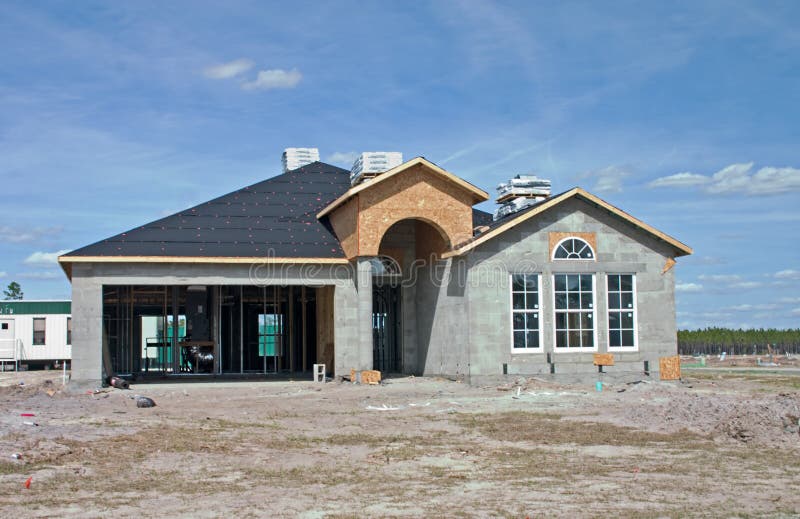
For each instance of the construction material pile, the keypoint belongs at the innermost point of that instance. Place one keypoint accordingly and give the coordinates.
(520, 192)
(372, 163)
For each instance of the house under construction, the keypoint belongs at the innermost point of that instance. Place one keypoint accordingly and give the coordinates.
(394, 271)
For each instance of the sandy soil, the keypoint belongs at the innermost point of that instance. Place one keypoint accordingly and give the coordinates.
(712, 445)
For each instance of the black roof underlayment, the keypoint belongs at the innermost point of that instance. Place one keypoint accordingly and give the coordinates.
(273, 218)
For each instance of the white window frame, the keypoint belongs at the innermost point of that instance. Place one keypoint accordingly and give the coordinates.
(565, 349)
(635, 309)
(555, 249)
(524, 351)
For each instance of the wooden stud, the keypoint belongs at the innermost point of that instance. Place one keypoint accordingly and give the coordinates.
(304, 318)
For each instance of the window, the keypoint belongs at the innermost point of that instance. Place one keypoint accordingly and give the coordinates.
(573, 248)
(38, 331)
(525, 311)
(574, 309)
(270, 334)
(4, 326)
(69, 330)
(621, 311)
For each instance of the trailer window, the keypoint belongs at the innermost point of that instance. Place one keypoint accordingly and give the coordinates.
(38, 331)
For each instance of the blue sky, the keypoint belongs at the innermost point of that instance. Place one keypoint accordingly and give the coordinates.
(683, 113)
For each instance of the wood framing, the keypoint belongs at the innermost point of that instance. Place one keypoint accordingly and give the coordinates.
(478, 194)
(325, 330)
(668, 265)
(417, 190)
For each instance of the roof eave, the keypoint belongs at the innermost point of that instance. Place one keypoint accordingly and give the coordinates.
(681, 249)
(479, 195)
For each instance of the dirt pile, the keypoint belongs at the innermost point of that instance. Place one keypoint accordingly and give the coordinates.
(768, 420)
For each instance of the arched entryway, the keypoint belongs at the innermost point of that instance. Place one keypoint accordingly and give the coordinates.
(407, 251)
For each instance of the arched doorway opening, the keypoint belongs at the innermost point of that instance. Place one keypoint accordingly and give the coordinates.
(407, 251)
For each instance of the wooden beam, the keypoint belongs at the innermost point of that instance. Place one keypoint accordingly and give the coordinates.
(304, 313)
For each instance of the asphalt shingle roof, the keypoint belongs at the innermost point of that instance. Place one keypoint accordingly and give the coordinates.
(276, 217)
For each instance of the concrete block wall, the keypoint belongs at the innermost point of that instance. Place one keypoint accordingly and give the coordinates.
(87, 303)
(621, 249)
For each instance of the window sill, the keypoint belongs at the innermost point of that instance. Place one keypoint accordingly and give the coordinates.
(526, 351)
(623, 349)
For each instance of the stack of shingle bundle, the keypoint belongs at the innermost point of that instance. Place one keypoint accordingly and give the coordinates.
(370, 164)
(520, 192)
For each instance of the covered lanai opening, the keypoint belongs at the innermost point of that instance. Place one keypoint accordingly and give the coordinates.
(213, 330)
(404, 295)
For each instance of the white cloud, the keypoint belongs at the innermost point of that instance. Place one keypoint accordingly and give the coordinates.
(44, 258)
(733, 281)
(746, 284)
(788, 274)
(720, 278)
(751, 308)
(275, 78)
(3, 274)
(41, 275)
(688, 287)
(228, 70)
(737, 179)
(796, 311)
(608, 179)
(680, 180)
(790, 300)
(10, 234)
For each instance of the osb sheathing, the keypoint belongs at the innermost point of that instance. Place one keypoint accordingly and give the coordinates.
(416, 194)
(588, 237)
(603, 359)
(670, 368)
(344, 221)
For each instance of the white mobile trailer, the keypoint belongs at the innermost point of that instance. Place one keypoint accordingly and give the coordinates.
(35, 333)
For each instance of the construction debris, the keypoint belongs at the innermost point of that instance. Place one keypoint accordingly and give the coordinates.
(143, 401)
(520, 192)
(670, 368)
(368, 376)
(119, 383)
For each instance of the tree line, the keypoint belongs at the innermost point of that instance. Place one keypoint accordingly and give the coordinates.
(713, 341)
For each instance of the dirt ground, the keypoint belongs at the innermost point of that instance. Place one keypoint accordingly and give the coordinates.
(715, 444)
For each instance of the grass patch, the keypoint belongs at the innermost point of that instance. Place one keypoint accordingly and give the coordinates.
(551, 429)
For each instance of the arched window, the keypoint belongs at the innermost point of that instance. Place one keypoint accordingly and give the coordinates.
(385, 266)
(573, 248)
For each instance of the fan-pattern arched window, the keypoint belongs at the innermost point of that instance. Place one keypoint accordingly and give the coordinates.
(573, 248)
(385, 266)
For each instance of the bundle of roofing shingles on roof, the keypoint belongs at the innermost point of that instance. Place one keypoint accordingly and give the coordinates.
(520, 192)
